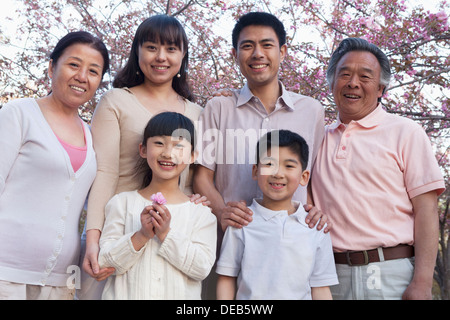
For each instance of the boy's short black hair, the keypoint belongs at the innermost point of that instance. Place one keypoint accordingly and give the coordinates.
(284, 138)
(259, 19)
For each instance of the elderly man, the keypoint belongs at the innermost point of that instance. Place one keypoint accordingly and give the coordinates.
(377, 179)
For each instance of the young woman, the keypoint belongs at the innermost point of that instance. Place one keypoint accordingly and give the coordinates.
(47, 166)
(153, 80)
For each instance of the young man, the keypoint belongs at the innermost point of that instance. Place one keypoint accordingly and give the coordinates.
(277, 256)
(231, 126)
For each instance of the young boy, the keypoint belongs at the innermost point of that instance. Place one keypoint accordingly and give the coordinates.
(277, 256)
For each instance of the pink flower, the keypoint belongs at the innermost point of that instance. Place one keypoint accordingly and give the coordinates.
(158, 198)
(441, 16)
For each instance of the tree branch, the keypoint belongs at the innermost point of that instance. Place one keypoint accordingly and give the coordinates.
(187, 5)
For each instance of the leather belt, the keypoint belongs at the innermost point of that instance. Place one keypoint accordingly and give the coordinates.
(361, 258)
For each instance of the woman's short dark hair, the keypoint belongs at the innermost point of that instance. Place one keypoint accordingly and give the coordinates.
(162, 29)
(82, 37)
(259, 19)
(358, 44)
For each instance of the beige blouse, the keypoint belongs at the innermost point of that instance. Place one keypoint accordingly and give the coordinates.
(117, 128)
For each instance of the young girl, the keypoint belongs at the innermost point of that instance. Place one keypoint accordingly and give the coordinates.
(159, 251)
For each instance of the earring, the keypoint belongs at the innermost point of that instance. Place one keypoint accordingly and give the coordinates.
(178, 75)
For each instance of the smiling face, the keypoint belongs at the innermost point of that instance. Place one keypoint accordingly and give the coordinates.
(259, 55)
(167, 156)
(160, 63)
(279, 173)
(356, 86)
(77, 75)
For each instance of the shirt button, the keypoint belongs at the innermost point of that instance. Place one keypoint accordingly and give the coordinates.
(266, 119)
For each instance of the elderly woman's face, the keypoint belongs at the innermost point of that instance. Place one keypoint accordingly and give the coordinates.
(356, 86)
(77, 75)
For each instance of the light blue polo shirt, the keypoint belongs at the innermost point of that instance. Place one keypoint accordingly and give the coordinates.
(277, 256)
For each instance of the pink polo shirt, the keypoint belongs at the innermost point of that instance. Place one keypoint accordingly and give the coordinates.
(365, 174)
(230, 127)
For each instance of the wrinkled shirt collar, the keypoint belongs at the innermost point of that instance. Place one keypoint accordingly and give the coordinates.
(246, 95)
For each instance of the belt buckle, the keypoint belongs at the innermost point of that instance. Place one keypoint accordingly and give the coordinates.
(366, 258)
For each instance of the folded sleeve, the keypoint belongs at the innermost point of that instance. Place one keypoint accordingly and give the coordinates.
(421, 170)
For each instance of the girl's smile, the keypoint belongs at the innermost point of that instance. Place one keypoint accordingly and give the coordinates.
(166, 165)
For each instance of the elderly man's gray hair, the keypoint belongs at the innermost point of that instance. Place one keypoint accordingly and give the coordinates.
(358, 44)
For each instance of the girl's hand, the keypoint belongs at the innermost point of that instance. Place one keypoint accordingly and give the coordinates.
(148, 229)
(161, 221)
(197, 198)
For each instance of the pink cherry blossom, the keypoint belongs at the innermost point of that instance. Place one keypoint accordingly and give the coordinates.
(158, 198)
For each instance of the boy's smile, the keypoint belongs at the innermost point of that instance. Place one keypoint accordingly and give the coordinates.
(277, 186)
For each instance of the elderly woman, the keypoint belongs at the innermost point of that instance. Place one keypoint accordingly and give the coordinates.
(47, 166)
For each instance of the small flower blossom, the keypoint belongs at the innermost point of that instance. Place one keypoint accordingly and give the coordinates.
(158, 198)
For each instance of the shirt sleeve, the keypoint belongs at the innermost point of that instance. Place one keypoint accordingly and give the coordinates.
(421, 170)
(232, 251)
(324, 271)
(193, 254)
(116, 248)
(10, 141)
(319, 133)
(106, 139)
